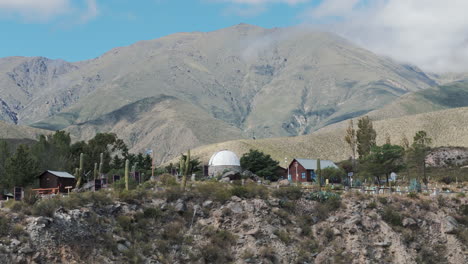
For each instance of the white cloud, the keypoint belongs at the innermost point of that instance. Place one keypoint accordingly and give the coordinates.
(432, 34)
(46, 10)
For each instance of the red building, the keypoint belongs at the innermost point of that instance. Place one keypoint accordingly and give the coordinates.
(303, 170)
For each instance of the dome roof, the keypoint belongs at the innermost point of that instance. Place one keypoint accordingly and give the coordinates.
(224, 158)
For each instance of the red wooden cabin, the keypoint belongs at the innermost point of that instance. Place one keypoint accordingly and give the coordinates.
(303, 170)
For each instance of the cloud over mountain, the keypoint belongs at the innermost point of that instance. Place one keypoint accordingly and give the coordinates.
(429, 33)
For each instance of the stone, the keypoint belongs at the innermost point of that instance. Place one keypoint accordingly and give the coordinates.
(252, 232)
(235, 208)
(450, 225)
(236, 199)
(180, 206)
(122, 247)
(207, 203)
(274, 202)
(15, 242)
(336, 232)
(225, 180)
(284, 183)
(383, 244)
(232, 175)
(408, 222)
(27, 250)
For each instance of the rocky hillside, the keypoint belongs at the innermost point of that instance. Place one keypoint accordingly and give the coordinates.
(271, 82)
(213, 223)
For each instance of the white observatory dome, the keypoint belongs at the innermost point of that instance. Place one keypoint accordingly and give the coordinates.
(224, 158)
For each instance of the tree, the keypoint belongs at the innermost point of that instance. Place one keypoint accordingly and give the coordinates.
(4, 155)
(319, 174)
(383, 160)
(21, 168)
(261, 164)
(350, 138)
(419, 149)
(334, 175)
(365, 136)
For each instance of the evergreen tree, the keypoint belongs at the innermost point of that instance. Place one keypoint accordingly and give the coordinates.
(383, 160)
(365, 136)
(21, 168)
(261, 164)
(4, 155)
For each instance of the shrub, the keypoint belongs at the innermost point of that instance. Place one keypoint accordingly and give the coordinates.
(291, 193)
(462, 235)
(125, 222)
(322, 196)
(250, 190)
(4, 226)
(120, 184)
(413, 195)
(213, 191)
(382, 200)
(283, 236)
(152, 213)
(372, 205)
(391, 216)
(17, 230)
(14, 206)
(46, 207)
(168, 180)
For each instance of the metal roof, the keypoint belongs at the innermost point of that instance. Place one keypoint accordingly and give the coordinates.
(312, 164)
(61, 174)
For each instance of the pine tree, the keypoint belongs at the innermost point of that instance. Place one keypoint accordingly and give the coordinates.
(4, 154)
(21, 168)
(366, 136)
(419, 149)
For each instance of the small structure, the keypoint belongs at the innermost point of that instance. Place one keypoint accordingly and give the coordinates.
(55, 182)
(222, 162)
(303, 170)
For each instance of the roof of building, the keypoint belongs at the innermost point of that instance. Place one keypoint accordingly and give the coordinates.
(311, 164)
(224, 158)
(61, 174)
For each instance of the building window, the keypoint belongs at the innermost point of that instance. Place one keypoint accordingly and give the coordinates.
(303, 175)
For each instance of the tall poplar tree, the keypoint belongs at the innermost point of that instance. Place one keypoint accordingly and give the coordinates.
(350, 138)
(365, 136)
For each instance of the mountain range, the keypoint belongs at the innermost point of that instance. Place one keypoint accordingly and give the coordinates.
(192, 89)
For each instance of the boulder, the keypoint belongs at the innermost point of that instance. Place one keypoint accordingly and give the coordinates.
(180, 206)
(408, 222)
(207, 203)
(284, 183)
(232, 175)
(450, 225)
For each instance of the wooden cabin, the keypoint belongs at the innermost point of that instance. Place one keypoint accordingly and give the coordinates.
(55, 181)
(303, 170)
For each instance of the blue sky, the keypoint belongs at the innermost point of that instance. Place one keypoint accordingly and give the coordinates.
(431, 34)
(82, 32)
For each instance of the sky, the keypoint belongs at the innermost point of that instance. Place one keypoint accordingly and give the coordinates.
(432, 34)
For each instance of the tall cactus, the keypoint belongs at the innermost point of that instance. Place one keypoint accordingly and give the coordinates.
(127, 165)
(95, 171)
(185, 168)
(319, 174)
(101, 165)
(80, 171)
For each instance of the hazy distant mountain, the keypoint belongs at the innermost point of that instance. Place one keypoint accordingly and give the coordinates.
(239, 81)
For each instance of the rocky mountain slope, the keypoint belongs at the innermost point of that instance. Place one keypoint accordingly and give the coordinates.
(446, 128)
(207, 225)
(271, 82)
(10, 131)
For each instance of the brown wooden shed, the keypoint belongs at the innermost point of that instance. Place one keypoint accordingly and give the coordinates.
(56, 179)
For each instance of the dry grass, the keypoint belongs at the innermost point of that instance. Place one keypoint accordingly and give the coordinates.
(446, 128)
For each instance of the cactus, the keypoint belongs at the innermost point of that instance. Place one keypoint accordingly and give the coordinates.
(80, 171)
(185, 168)
(101, 165)
(127, 165)
(319, 174)
(95, 171)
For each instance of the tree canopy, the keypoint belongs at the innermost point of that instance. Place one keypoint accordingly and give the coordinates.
(261, 164)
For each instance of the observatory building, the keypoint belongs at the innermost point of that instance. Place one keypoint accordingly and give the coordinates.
(223, 161)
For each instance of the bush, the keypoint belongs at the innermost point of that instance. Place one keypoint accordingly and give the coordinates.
(283, 236)
(152, 213)
(290, 193)
(4, 226)
(168, 180)
(120, 184)
(250, 190)
(391, 216)
(46, 207)
(125, 222)
(214, 191)
(415, 186)
(322, 196)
